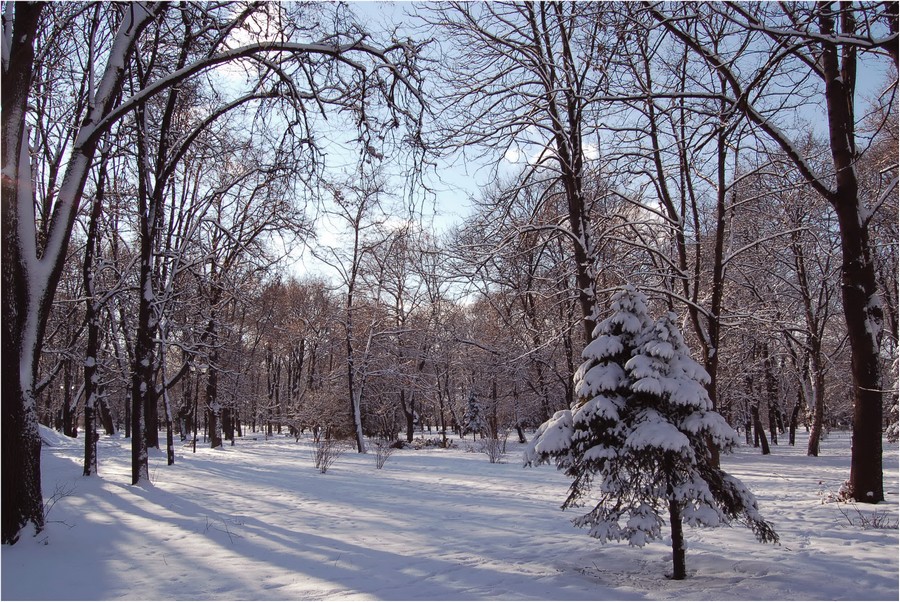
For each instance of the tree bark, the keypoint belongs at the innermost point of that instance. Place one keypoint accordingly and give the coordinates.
(759, 433)
(106, 418)
(214, 410)
(92, 319)
(410, 415)
(859, 289)
(142, 385)
(795, 414)
(679, 568)
(22, 499)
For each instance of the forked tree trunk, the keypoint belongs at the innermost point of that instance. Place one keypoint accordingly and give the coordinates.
(22, 499)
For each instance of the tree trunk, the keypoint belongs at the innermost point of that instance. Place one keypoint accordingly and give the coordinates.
(140, 469)
(759, 432)
(70, 427)
(128, 412)
(442, 415)
(106, 418)
(818, 392)
(195, 416)
(214, 410)
(862, 312)
(566, 113)
(22, 500)
(773, 423)
(353, 393)
(679, 569)
(859, 289)
(92, 319)
(142, 387)
(30, 274)
(228, 424)
(410, 415)
(795, 414)
(771, 394)
(170, 442)
(148, 320)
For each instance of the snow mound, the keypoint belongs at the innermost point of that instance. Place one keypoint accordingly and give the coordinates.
(51, 438)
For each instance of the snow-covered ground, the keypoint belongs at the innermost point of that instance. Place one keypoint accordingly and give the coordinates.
(257, 521)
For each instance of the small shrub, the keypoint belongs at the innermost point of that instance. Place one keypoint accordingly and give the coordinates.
(494, 448)
(877, 519)
(383, 450)
(325, 452)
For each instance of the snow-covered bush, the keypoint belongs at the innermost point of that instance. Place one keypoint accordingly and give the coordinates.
(642, 428)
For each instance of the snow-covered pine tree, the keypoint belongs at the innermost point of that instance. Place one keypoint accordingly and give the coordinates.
(641, 426)
(473, 421)
(584, 439)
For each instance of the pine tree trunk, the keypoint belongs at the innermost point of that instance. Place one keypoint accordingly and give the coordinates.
(679, 569)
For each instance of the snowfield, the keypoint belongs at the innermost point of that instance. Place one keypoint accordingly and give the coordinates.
(257, 521)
